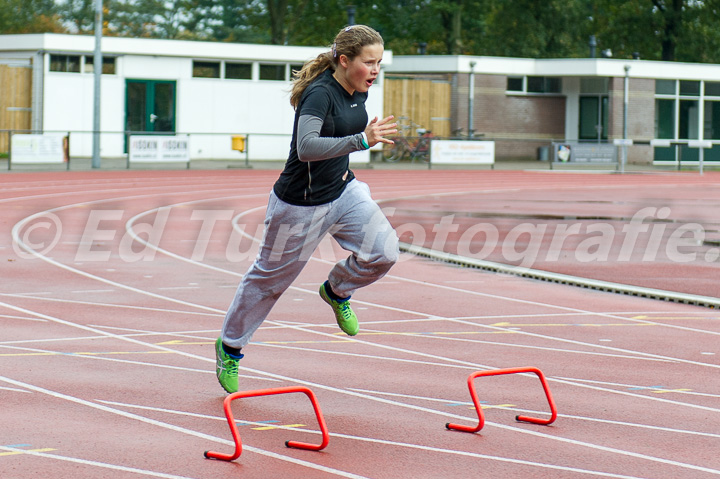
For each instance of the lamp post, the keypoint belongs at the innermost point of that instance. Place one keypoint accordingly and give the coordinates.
(97, 72)
(471, 100)
(625, 116)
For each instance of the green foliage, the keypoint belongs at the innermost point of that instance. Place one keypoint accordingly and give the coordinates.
(681, 30)
(29, 16)
(527, 28)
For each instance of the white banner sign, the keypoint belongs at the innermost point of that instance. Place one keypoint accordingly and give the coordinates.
(47, 148)
(462, 152)
(159, 148)
(362, 156)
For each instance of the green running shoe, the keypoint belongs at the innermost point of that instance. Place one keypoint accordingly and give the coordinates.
(226, 368)
(344, 314)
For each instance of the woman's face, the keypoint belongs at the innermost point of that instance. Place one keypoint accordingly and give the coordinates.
(359, 73)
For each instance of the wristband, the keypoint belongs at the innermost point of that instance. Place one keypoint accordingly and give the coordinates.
(364, 140)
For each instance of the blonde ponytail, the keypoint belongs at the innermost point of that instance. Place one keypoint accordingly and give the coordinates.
(309, 72)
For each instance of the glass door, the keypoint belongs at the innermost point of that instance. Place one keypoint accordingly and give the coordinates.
(593, 118)
(150, 106)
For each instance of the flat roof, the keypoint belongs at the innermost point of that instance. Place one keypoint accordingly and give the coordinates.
(66, 43)
(564, 67)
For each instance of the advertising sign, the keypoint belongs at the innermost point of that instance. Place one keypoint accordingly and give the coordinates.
(159, 148)
(34, 148)
(466, 152)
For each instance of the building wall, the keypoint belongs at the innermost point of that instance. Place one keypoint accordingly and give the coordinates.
(640, 115)
(210, 110)
(518, 123)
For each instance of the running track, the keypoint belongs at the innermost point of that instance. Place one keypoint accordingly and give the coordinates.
(115, 284)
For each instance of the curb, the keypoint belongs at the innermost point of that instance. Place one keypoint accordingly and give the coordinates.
(606, 286)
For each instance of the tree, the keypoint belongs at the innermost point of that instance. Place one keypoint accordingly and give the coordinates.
(29, 16)
(671, 13)
(527, 28)
(78, 14)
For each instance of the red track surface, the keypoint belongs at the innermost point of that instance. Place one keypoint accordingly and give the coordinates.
(107, 362)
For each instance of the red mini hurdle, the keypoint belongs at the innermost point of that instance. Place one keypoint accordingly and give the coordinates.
(497, 372)
(268, 392)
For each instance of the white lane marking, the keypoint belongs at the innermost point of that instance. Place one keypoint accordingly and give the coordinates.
(241, 231)
(178, 429)
(568, 416)
(509, 299)
(111, 305)
(389, 443)
(85, 462)
(374, 398)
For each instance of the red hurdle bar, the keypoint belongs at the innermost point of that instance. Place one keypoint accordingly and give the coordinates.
(268, 392)
(497, 372)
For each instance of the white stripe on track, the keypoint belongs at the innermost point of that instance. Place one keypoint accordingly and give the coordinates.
(85, 462)
(261, 372)
(179, 429)
(346, 392)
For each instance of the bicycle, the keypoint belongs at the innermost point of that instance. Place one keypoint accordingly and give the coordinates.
(409, 147)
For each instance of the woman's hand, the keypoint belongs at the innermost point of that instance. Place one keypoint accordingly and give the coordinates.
(377, 130)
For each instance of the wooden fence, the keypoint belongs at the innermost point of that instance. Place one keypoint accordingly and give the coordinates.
(15, 100)
(425, 103)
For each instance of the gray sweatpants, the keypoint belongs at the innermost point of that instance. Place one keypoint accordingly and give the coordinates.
(291, 235)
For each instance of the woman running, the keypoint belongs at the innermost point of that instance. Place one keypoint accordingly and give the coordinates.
(317, 194)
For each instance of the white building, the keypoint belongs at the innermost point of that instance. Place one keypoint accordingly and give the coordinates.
(208, 90)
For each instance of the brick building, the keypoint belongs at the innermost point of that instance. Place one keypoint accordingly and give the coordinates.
(525, 105)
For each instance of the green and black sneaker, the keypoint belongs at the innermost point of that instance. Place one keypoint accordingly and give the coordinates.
(226, 368)
(344, 314)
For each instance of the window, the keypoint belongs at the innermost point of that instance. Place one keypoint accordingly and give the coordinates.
(272, 72)
(294, 68)
(678, 116)
(543, 85)
(534, 85)
(665, 119)
(712, 120)
(689, 127)
(665, 87)
(712, 88)
(515, 84)
(238, 71)
(206, 69)
(108, 65)
(689, 88)
(65, 63)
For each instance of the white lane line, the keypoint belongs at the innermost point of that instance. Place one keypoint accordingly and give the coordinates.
(15, 390)
(220, 312)
(509, 299)
(385, 401)
(241, 231)
(514, 345)
(567, 416)
(129, 361)
(568, 382)
(111, 305)
(129, 229)
(388, 443)
(178, 429)
(21, 318)
(85, 462)
(635, 386)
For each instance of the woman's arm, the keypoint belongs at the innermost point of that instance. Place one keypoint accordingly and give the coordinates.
(312, 147)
